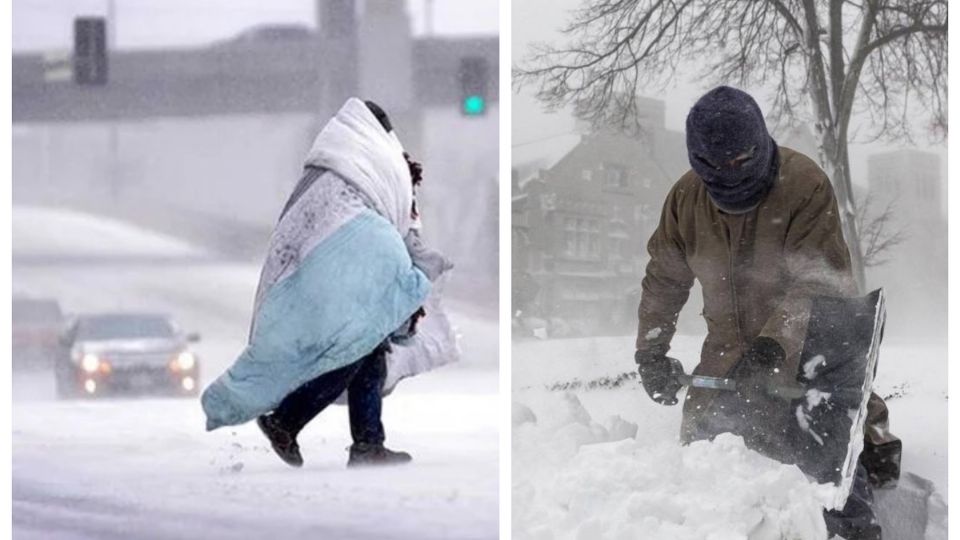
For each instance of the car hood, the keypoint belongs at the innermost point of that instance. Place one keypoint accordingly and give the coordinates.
(132, 346)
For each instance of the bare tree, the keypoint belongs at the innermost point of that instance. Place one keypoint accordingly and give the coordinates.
(825, 60)
(879, 233)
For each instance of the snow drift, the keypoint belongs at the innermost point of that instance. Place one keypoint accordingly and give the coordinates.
(577, 478)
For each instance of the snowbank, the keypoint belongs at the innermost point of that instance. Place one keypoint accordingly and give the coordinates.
(577, 478)
(48, 231)
(551, 446)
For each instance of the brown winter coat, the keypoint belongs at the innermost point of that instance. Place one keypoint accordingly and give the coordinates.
(758, 270)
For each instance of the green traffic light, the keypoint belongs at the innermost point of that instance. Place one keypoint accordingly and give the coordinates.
(474, 105)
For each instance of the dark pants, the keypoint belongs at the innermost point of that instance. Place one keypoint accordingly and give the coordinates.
(363, 381)
(856, 520)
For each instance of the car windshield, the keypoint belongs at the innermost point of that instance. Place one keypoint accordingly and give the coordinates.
(123, 327)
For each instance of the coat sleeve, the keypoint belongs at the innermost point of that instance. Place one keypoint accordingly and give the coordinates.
(666, 285)
(816, 262)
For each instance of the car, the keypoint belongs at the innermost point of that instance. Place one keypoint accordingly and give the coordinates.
(37, 324)
(126, 353)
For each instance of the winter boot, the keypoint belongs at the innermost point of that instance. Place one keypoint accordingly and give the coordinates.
(283, 442)
(881, 449)
(365, 454)
(882, 462)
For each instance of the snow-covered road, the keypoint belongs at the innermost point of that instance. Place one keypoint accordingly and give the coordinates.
(145, 468)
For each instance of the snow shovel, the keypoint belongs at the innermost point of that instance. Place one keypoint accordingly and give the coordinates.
(786, 392)
(833, 384)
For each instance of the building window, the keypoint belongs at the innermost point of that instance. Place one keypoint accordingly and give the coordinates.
(581, 237)
(614, 176)
(616, 248)
(587, 175)
(592, 234)
(570, 236)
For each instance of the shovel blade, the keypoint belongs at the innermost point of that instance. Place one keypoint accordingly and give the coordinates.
(837, 364)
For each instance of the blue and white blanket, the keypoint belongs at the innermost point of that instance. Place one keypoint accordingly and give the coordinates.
(338, 279)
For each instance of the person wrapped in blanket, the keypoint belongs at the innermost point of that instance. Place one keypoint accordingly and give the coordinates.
(349, 296)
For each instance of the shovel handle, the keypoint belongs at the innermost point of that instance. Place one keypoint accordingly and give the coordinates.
(730, 385)
(700, 381)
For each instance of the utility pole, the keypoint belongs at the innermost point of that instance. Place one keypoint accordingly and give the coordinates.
(111, 25)
(428, 17)
(113, 138)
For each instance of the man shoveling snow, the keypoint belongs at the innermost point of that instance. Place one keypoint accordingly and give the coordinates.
(757, 225)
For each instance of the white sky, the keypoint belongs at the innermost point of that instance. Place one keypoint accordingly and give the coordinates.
(47, 24)
(539, 20)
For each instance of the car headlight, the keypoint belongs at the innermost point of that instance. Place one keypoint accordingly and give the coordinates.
(90, 362)
(185, 361)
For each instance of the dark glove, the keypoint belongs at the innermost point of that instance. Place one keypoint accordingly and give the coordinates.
(401, 335)
(415, 318)
(657, 375)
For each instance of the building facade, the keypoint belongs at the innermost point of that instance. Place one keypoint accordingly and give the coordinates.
(914, 274)
(580, 227)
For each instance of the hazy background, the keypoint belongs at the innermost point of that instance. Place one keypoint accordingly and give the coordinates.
(540, 21)
(541, 141)
(45, 24)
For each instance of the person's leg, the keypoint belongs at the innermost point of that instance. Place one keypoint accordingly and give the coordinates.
(298, 408)
(306, 402)
(366, 404)
(365, 400)
(881, 449)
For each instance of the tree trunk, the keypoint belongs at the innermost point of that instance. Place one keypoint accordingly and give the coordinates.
(836, 160)
(831, 125)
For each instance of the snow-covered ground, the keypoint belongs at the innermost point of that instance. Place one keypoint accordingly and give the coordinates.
(602, 462)
(145, 468)
(44, 231)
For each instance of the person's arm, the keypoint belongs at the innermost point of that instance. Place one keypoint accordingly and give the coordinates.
(817, 262)
(666, 288)
(666, 285)
(430, 261)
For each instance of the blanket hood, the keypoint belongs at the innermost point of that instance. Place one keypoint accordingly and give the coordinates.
(354, 145)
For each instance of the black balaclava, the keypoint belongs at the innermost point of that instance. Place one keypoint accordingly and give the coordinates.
(380, 114)
(730, 149)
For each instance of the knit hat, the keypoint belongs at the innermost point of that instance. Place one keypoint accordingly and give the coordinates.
(730, 149)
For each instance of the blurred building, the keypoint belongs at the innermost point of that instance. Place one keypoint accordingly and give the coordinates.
(914, 273)
(580, 226)
(913, 179)
(207, 142)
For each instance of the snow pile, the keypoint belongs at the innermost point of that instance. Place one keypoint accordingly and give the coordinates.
(69, 233)
(577, 478)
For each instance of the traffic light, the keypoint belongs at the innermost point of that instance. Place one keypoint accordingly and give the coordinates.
(474, 74)
(90, 50)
